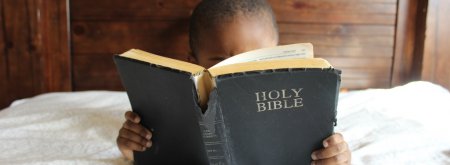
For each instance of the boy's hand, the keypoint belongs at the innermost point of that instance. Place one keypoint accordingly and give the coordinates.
(133, 136)
(335, 151)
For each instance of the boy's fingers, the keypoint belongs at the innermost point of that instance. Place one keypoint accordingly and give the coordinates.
(333, 139)
(342, 158)
(138, 129)
(131, 116)
(128, 144)
(127, 134)
(330, 151)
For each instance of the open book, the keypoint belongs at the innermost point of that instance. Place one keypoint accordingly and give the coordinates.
(267, 106)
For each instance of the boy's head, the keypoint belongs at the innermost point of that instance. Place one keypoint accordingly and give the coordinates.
(222, 28)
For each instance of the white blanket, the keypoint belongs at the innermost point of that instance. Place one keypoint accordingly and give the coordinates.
(404, 125)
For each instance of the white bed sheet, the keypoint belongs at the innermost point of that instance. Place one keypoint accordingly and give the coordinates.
(405, 125)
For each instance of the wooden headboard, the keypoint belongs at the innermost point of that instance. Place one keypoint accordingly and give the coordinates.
(56, 45)
(355, 36)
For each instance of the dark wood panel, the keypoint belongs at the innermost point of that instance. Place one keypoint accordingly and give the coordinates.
(302, 17)
(336, 29)
(51, 44)
(360, 62)
(364, 83)
(364, 12)
(357, 51)
(20, 81)
(113, 5)
(168, 38)
(348, 1)
(4, 99)
(137, 10)
(331, 6)
(404, 66)
(329, 11)
(36, 56)
(95, 72)
(117, 37)
(336, 40)
(436, 59)
(365, 73)
(356, 36)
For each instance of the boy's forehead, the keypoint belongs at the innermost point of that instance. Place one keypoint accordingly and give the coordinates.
(237, 35)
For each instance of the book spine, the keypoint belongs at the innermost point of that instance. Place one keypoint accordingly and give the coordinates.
(212, 127)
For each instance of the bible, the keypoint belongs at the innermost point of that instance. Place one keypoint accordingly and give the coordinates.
(267, 106)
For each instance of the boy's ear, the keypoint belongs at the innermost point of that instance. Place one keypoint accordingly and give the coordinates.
(191, 58)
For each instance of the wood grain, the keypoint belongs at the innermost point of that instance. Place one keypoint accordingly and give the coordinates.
(336, 29)
(360, 12)
(35, 55)
(436, 59)
(405, 42)
(20, 81)
(357, 36)
(137, 10)
(4, 99)
(336, 40)
(335, 7)
(356, 51)
(159, 37)
(51, 44)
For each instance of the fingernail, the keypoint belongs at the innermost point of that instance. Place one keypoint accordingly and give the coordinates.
(313, 163)
(148, 136)
(143, 148)
(148, 144)
(313, 156)
(325, 144)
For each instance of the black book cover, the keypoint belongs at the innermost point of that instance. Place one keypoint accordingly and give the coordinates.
(164, 99)
(276, 117)
(264, 117)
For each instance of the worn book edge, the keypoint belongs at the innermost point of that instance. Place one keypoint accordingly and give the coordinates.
(280, 57)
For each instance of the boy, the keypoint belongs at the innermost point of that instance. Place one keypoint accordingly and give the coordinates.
(220, 29)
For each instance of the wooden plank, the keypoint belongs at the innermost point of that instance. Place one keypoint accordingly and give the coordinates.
(95, 73)
(162, 10)
(360, 62)
(366, 73)
(37, 58)
(403, 67)
(53, 50)
(337, 40)
(4, 97)
(356, 1)
(117, 37)
(436, 59)
(159, 37)
(108, 81)
(357, 51)
(137, 10)
(282, 17)
(331, 6)
(336, 29)
(302, 17)
(20, 74)
(355, 84)
(136, 5)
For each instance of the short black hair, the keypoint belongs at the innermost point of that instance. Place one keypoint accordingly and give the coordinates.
(209, 13)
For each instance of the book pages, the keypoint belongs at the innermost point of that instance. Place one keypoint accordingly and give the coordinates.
(300, 50)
